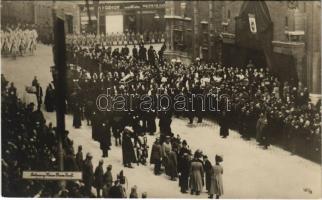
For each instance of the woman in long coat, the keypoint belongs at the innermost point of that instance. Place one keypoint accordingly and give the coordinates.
(172, 165)
(216, 185)
(224, 125)
(184, 173)
(105, 138)
(196, 176)
(128, 149)
(50, 99)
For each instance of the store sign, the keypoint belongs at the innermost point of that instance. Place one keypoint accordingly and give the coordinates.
(125, 6)
(252, 23)
(51, 175)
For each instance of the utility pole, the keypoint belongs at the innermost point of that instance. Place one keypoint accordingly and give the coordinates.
(59, 76)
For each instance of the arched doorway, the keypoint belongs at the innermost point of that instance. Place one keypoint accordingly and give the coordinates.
(254, 35)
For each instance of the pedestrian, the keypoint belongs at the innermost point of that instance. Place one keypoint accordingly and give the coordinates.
(117, 191)
(108, 181)
(216, 186)
(184, 172)
(79, 158)
(98, 178)
(196, 174)
(88, 174)
(128, 149)
(105, 138)
(156, 156)
(134, 194)
(50, 99)
(208, 168)
(172, 164)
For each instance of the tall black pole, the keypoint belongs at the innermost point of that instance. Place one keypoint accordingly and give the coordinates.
(59, 75)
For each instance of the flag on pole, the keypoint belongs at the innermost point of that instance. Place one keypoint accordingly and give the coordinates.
(252, 23)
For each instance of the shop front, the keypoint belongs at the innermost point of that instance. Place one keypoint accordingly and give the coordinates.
(122, 17)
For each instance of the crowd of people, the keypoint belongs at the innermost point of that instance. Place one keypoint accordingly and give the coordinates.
(31, 143)
(254, 102)
(18, 39)
(114, 39)
(260, 106)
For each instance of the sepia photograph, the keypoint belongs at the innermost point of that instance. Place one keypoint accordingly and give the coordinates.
(161, 99)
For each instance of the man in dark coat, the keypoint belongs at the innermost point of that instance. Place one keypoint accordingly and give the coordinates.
(116, 191)
(108, 181)
(125, 51)
(135, 53)
(39, 95)
(224, 129)
(184, 171)
(105, 138)
(172, 165)
(88, 174)
(50, 99)
(156, 156)
(142, 53)
(79, 158)
(98, 177)
(207, 168)
(128, 149)
(151, 56)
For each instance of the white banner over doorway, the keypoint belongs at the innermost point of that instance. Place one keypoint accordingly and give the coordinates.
(252, 23)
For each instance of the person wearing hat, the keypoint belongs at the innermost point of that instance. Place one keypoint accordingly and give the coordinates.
(88, 174)
(196, 174)
(98, 178)
(184, 171)
(108, 181)
(79, 158)
(216, 184)
(105, 138)
(172, 164)
(156, 156)
(208, 168)
(166, 148)
(128, 148)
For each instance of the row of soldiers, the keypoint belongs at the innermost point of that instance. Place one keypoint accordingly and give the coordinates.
(127, 38)
(18, 40)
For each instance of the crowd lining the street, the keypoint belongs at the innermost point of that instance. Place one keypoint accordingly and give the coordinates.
(260, 106)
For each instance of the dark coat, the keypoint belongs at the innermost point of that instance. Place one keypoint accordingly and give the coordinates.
(99, 179)
(184, 173)
(208, 168)
(50, 99)
(79, 160)
(105, 136)
(172, 164)
(116, 191)
(156, 153)
(128, 150)
(88, 173)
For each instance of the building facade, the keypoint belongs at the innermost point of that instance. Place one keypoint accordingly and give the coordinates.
(192, 29)
(287, 39)
(106, 17)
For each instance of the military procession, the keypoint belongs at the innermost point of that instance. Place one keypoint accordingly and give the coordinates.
(18, 40)
(113, 39)
(157, 112)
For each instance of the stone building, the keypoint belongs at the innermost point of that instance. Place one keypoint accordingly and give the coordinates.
(295, 40)
(287, 39)
(192, 29)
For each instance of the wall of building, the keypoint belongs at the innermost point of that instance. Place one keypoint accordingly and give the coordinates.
(301, 18)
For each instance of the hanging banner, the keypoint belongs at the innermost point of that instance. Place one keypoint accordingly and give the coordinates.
(252, 23)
